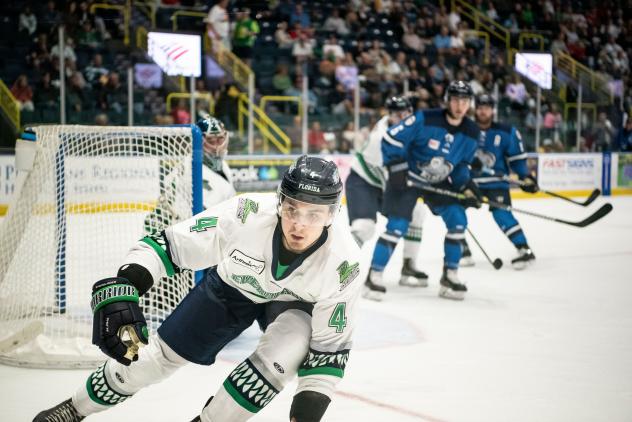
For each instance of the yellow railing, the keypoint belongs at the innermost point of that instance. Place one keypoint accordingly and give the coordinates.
(532, 36)
(480, 34)
(265, 99)
(174, 17)
(482, 22)
(270, 131)
(10, 105)
(240, 70)
(141, 38)
(125, 11)
(585, 106)
(580, 72)
(187, 95)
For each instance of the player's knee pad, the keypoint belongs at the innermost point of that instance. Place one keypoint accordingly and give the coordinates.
(258, 379)
(362, 229)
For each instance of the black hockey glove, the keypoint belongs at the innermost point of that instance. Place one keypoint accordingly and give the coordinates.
(529, 184)
(117, 316)
(477, 165)
(397, 174)
(473, 195)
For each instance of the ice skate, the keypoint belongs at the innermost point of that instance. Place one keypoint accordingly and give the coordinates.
(373, 287)
(451, 286)
(412, 277)
(525, 257)
(63, 412)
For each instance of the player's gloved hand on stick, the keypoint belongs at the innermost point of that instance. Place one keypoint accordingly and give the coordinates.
(397, 174)
(477, 165)
(529, 184)
(473, 195)
(115, 306)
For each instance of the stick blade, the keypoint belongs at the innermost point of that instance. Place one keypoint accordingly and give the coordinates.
(591, 198)
(600, 213)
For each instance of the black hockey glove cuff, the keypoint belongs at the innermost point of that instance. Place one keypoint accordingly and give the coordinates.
(397, 174)
(477, 165)
(308, 406)
(529, 184)
(116, 317)
(473, 195)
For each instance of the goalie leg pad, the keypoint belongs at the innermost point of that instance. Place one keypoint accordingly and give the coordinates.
(258, 379)
(114, 382)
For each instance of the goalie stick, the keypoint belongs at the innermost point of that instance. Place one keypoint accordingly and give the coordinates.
(600, 213)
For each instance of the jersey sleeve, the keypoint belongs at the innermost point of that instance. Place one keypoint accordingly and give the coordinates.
(194, 243)
(333, 321)
(516, 156)
(398, 138)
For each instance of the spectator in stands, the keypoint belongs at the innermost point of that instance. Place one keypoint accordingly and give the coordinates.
(282, 38)
(552, 122)
(45, 96)
(511, 23)
(335, 23)
(102, 119)
(517, 93)
(603, 134)
(412, 41)
(439, 72)
(300, 16)
(244, 36)
(112, 95)
(281, 80)
(27, 22)
(295, 133)
(39, 56)
(333, 51)
(180, 113)
(316, 139)
(68, 54)
(340, 100)
(559, 44)
(347, 72)
(457, 45)
(95, 71)
(88, 36)
(624, 136)
(23, 93)
(218, 25)
(49, 17)
(441, 41)
(75, 94)
(296, 90)
(491, 11)
(303, 49)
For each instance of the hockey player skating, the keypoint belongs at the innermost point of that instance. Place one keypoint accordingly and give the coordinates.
(364, 190)
(500, 150)
(431, 147)
(278, 260)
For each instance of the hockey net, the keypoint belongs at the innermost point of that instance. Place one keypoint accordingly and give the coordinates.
(87, 196)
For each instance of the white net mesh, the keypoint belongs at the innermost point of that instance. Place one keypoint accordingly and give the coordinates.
(91, 193)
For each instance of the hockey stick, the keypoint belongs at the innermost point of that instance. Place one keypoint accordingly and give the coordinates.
(601, 212)
(591, 198)
(496, 263)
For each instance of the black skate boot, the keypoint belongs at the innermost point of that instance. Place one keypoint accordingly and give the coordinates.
(451, 286)
(63, 412)
(373, 287)
(524, 258)
(412, 277)
(466, 256)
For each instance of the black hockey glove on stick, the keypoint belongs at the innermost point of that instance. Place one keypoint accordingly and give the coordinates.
(529, 184)
(397, 174)
(473, 195)
(119, 326)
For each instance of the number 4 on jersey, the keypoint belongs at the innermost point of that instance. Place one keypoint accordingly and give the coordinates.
(338, 319)
(201, 224)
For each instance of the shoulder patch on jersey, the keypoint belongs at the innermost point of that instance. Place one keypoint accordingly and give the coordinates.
(434, 144)
(410, 120)
(240, 258)
(347, 273)
(245, 207)
(201, 224)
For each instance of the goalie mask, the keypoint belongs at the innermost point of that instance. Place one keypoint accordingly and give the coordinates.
(215, 141)
(310, 192)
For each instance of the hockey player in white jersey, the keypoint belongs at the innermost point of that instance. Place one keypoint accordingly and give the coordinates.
(217, 180)
(364, 190)
(279, 260)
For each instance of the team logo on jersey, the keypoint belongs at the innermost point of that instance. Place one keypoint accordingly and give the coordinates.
(240, 258)
(434, 144)
(310, 188)
(347, 273)
(409, 121)
(449, 137)
(201, 224)
(497, 140)
(245, 207)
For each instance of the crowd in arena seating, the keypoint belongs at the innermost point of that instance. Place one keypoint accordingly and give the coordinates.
(389, 46)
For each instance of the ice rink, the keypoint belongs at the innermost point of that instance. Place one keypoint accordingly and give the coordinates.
(551, 343)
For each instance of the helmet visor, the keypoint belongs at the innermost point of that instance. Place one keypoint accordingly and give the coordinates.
(305, 213)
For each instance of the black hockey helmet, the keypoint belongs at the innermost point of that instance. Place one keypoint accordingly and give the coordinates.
(313, 180)
(459, 89)
(397, 103)
(485, 100)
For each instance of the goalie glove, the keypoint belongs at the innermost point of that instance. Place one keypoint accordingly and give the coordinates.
(118, 323)
(529, 184)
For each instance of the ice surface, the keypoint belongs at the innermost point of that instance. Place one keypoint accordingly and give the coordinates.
(551, 343)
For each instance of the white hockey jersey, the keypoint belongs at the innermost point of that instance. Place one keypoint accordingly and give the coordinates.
(367, 162)
(216, 188)
(239, 236)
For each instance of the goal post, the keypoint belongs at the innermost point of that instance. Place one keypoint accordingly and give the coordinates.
(85, 195)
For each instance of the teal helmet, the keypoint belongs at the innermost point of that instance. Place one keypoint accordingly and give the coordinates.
(215, 140)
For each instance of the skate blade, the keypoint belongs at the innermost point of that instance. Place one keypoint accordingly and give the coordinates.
(410, 281)
(372, 295)
(521, 265)
(447, 293)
